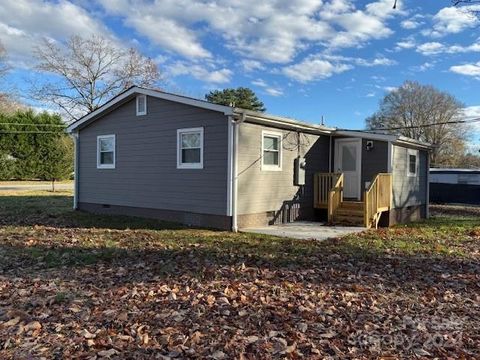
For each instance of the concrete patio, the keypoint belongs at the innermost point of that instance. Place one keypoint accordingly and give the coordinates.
(305, 230)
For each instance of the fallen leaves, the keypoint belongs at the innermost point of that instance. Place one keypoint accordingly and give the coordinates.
(66, 292)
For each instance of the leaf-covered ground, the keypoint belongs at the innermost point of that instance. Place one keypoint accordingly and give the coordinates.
(74, 285)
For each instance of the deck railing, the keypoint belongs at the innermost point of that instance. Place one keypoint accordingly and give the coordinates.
(377, 199)
(323, 183)
(335, 198)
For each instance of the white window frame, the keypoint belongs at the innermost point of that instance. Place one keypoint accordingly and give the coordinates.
(279, 135)
(416, 154)
(180, 164)
(140, 113)
(106, 166)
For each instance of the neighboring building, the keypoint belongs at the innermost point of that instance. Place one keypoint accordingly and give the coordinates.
(458, 186)
(153, 154)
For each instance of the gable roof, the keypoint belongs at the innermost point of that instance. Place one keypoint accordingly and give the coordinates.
(249, 115)
(133, 91)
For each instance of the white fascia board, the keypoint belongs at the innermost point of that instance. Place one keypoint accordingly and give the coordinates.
(153, 93)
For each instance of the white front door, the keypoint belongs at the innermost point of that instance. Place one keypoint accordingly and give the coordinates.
(348, 157)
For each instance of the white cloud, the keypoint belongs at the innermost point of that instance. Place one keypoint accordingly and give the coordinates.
(423, 67)
(251, 65)
(270, 31)
(169, 35)
(467, 69)
(199, 72)
(23, 23)
(435, 48)
(380, 61)
(270, 90)
(472, 111)
(412, 23)
(313, 68)
(405, 44)
(431, 48)
(321, 66)
(453, 20)
(274, 91)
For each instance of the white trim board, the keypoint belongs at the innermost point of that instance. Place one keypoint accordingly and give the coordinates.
(182, 165)
(106, 166)
(275, 134)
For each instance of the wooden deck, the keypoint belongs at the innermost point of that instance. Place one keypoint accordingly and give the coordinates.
(328, 194)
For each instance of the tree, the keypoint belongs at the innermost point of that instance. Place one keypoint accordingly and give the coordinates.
(57, 164)
(423, 113)
(240, 97)
(27, 142)
(88, 71)
(4, 68)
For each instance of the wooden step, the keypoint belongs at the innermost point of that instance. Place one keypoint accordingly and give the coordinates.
(352, 205)
(350, 212)
(348, 220)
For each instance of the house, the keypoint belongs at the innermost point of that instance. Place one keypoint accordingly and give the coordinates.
(457, 186)
(154, 154)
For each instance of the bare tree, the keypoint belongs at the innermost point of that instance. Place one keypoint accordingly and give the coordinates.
(89, 71)
(424, 113)
(468, 6)
(3, 61)
(7, 104)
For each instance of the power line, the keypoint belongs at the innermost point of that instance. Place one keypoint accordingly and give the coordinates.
(17, 124)
(30, 132)
(426, 125)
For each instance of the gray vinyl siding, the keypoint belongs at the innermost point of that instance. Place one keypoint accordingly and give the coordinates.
(408, 191)
(146, 173)
(262, 191)
(374, 161)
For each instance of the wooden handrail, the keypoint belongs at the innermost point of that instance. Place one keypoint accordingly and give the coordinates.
(323, 184)
(377, 199)
(335, 198)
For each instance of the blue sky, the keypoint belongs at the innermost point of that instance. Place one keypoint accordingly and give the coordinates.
(304, 58)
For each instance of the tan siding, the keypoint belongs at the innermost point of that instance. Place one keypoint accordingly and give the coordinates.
(260, 191)
(146, 175)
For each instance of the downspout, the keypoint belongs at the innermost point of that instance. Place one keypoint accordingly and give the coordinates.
(330, 155)
(234, 202)
(427, 210)
(75, 169)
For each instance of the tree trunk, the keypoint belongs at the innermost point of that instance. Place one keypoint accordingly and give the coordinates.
(53, 185)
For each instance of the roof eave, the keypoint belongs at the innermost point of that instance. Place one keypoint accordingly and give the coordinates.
(281, 122)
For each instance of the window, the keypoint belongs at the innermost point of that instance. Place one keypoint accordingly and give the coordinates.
(106, 152)
(190, 148)
(412, 162)
(141, 105)
(271, 151)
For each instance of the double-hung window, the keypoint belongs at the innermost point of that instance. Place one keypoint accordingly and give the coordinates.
(271, 151)
(190, 148)
(412, 162)
(106, 152)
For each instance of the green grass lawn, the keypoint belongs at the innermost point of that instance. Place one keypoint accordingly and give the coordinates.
(33, 182)
(74, 284)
